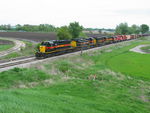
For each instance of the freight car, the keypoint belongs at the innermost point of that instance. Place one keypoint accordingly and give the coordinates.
(57, 47)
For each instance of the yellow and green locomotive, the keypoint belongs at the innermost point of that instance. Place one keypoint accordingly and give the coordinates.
(57, 47)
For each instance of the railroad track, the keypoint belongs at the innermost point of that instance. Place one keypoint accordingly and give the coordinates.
(17, 47)
(10, 63)
(15, 59)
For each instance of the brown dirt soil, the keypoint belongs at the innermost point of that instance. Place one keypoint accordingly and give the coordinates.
(5, 42)
(38, 37)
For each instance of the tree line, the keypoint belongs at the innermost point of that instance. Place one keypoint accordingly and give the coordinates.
(74, 30)
(29, 28)
(123, 28)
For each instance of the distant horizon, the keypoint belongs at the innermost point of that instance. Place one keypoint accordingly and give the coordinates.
(65, 25)
(61, 25)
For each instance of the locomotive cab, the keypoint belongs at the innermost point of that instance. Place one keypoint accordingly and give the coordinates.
(43, 46)
(92, 41)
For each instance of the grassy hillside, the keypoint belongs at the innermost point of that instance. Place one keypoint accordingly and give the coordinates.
(27, 51)
(129, 63)
(92, 83)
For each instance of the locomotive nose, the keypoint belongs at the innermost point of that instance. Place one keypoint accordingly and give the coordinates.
(42, 49)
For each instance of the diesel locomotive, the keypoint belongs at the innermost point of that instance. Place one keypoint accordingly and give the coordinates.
(57, 47)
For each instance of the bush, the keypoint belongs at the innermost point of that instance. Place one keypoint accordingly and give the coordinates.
(63, 33)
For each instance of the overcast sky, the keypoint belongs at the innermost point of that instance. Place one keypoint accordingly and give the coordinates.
(89, 13)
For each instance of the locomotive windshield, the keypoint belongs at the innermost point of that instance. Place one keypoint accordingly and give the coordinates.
(48, 43)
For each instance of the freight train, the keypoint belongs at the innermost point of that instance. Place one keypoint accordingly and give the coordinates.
(57, 47)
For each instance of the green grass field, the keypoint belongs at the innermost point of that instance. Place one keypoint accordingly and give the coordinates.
(5, 47)
(146, 49)
(97, 82)
(131, 64)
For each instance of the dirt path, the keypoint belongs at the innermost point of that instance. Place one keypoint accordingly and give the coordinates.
(17, 47)
(137, 49)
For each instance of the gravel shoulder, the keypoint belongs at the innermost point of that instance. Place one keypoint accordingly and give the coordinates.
(17, 47)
